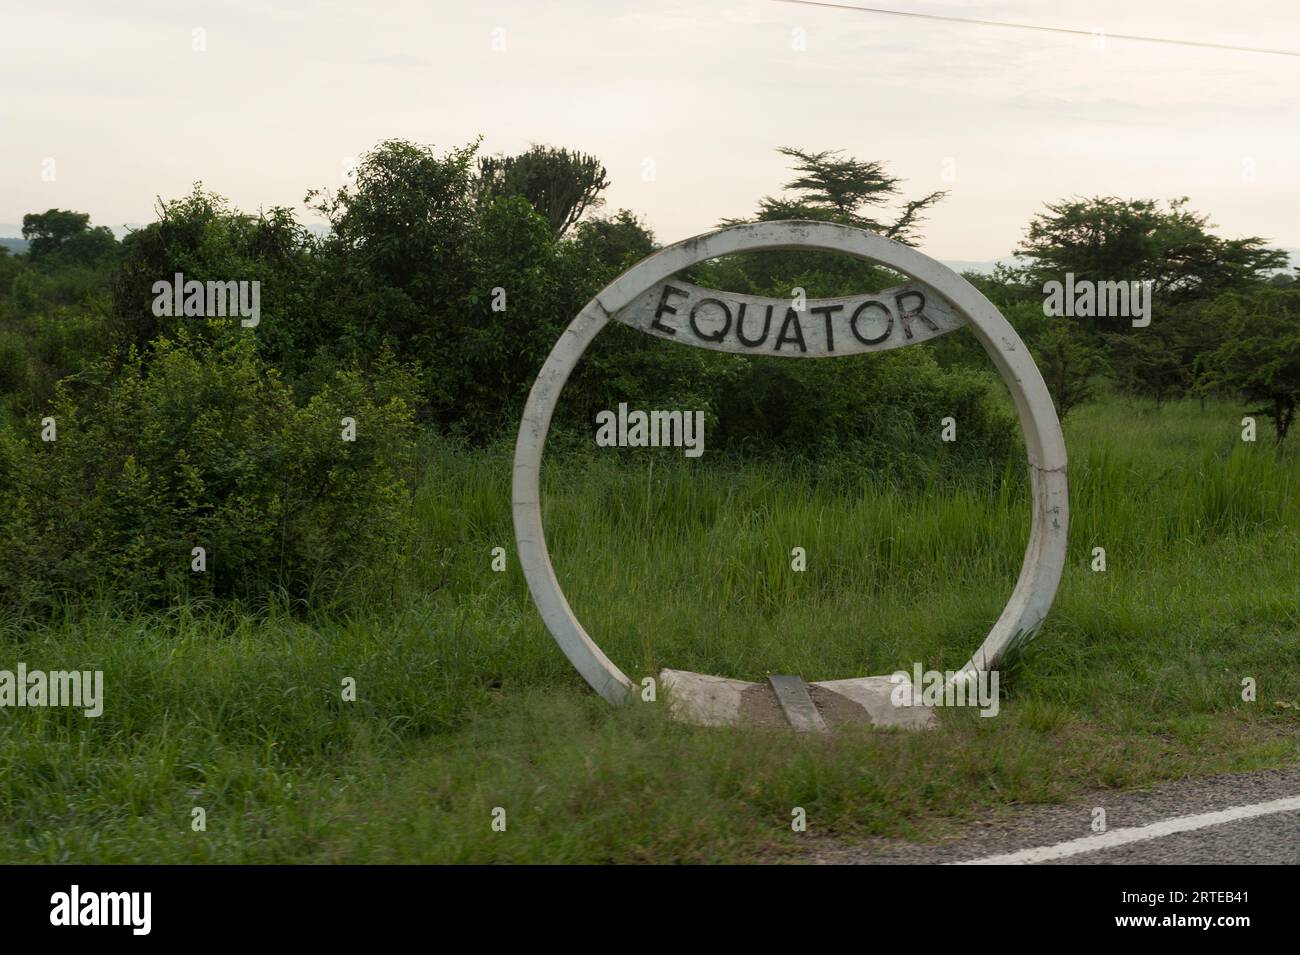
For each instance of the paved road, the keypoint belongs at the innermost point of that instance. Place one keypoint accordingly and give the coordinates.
(1141, 828)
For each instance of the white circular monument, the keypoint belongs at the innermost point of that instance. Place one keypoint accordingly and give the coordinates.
(937, 300)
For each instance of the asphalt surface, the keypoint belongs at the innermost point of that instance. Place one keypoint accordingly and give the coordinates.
(1266, 839)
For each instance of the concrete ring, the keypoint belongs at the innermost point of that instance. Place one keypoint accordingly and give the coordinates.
(1045, 555)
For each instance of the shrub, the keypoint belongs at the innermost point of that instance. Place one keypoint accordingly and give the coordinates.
(881, 413)
(204, 446)
(15, 369)
(1259, 358)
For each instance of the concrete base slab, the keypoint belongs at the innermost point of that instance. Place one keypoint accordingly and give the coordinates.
(868, 699)
(720, 701)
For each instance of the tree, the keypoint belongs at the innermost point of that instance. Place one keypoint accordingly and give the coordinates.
(406, 214)
(615, 241)
(10, 266)
(1069, 364)
(46, 231)
(559, 184)
(476, 290)
(1108, 239)
(845, 190)
(1164, 361)
(202, 237)
(63, 237)
(401, 253)
(1259, 360)
(1151, 364)
(829, 188)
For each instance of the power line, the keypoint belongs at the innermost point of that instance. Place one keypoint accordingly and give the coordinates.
(1043, 29)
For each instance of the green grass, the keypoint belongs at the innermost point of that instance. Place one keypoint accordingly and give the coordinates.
(465, 703)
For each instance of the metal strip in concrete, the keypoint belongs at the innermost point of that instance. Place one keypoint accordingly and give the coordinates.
(797, 704)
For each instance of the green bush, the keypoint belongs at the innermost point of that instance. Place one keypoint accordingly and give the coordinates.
(1259, 357)
(204, 239)
(881, 413)
(204, 446)
(15, 369)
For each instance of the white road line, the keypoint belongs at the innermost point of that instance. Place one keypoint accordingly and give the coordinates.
(1121, 837)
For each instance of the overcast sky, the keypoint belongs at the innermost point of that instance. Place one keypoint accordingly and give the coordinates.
(286, 92)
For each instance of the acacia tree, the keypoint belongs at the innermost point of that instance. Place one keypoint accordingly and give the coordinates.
(64, 237)
(1069, 365)
(827, 187)
(842, 189)
(559, 184)
(1164, 361)
(1104, 238)
(1259, 360)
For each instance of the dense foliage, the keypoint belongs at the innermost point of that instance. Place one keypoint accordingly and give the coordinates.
(202, 445)
(432, 299)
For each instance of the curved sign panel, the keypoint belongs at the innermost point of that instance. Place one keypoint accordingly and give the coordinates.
(819, 328)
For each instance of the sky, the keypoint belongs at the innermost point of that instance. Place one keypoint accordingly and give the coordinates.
(107, 106)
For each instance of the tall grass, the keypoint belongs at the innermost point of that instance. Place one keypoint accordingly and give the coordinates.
(465, 703)
(673, 561)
